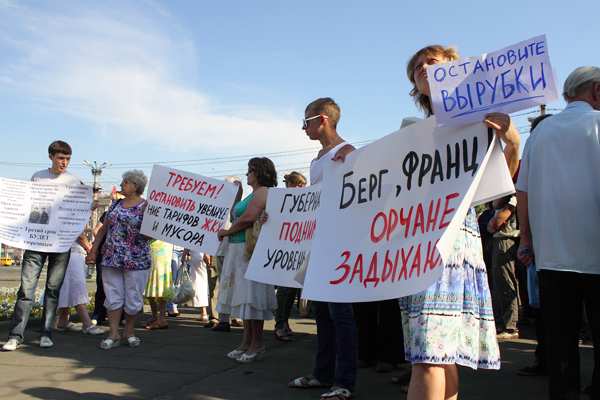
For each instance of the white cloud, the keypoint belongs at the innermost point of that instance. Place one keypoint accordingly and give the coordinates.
(122, 66)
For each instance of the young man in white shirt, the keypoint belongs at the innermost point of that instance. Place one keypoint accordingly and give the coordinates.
(59, 153)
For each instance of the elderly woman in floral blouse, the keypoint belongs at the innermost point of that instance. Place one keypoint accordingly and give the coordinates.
(125, 258)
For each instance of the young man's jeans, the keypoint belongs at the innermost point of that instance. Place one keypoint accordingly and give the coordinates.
(336, 337)
(33, 262)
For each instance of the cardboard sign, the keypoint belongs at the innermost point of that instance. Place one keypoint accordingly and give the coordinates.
(187, 209)
(45, 217)
(390, 214)
(286, 238)
(509, 80)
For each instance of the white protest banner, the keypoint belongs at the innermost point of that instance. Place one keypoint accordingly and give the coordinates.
(187, 209)
(390, 214)
(286, 238)
(509, 80)
(495, 181)
(44, 217)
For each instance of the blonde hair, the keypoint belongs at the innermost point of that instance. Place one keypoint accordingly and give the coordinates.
(421, 100)
(295, 179)
(326, 106)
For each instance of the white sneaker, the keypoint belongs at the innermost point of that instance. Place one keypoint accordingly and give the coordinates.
(46, 342)
(11, 345)
(93, 330)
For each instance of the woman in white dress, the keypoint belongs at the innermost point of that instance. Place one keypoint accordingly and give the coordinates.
(251, 301)
(73, 293)
(199, 278)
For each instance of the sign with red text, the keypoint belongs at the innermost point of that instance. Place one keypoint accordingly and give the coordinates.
(509, 80)
(187, 209)
(46, 217)
(286, 238)
(390, 214)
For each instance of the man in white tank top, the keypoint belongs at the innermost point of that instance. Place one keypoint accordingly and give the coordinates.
(335, 321)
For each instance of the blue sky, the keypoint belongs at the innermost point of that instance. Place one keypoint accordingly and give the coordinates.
(202, 86)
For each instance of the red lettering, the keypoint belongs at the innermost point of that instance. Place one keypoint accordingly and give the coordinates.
(404, 269)
(374, 238)
(372, 274)
(447, 210)
(392, 222)
(429, 257)
(405, 221)
(171, 177)
(358, 269)
(419, 220)
(345, 266)
(388, 269)
(432, 221)
(416, 262)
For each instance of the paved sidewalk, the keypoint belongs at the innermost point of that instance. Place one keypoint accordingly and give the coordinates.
(188, 361)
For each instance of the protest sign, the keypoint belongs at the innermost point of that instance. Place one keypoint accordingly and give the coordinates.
(187, 209)
(509, 80)
(390, 214)
(286, 238)
(44, 217)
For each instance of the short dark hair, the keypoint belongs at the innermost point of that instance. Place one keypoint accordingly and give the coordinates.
(264, 170)
(58, 146)
(537, 120)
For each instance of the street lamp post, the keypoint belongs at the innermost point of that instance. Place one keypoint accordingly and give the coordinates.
(96, 171)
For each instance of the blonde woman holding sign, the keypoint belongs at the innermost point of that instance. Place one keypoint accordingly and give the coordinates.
(452, 321)
(241, 298)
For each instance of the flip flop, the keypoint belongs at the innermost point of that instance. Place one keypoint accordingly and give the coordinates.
(288, 331)
(340, 394)
(157, 325)
(108, 344)
(312, 383)
(149, 322)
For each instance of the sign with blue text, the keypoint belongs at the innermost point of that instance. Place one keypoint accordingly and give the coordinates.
(509, 80)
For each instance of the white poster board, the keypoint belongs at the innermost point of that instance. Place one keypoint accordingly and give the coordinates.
(187, 209)
(509, 80)
(390, 214)
(286, 238)
(45, 217)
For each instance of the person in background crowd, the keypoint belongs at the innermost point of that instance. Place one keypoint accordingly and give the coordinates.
(242, 298)
(558, 193)
(504, 254)
(444, 307)
(287, 295)
(59, 153)
(125, 258)
(539, 367)
(199, 278)
(213, 290)
(175, 257)
(159, 288)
